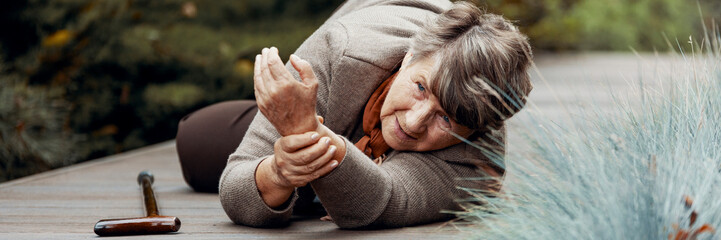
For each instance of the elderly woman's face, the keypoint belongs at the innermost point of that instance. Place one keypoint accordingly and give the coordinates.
(412, 118)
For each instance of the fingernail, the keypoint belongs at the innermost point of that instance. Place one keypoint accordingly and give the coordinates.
(274, 48)
(327, 140)
(332, 150)
(334, 163)
(294, 57)
(265, 50)
(314, 136)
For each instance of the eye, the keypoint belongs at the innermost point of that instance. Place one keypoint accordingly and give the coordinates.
(420, 87)
(444, 121)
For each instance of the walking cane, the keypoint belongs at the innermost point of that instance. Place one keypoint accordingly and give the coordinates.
(152, 223)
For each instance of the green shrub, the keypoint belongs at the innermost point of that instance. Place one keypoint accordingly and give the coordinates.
(34, 134)
(100, 77)
(606, 25)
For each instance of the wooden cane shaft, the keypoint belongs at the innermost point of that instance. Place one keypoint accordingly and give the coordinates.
(151, 207)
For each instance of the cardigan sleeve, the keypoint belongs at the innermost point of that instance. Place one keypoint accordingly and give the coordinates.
(408, 188)
(238, 191)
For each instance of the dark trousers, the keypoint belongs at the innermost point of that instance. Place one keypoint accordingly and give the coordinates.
(208, 136)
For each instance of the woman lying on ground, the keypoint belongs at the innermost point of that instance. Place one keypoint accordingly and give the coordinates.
(365, 121)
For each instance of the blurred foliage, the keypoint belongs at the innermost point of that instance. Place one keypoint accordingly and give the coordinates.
(34, 134)
(607, 25)
(82, 79)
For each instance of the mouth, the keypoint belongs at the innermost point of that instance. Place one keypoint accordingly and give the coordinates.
(402, 134)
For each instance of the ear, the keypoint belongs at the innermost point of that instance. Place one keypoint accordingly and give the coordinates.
(407, 60)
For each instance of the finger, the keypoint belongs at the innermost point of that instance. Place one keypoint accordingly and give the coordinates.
(305, 70)
(327, 168)
(302, 179)
(320, 119)
(308, 154)
(276, 66)
(293, 143)
(257, 78)
(264, 66)
(319, 162)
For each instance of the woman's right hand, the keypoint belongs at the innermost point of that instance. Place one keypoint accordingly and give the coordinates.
(298, 160)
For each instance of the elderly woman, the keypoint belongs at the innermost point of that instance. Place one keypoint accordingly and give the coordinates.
(367, 118)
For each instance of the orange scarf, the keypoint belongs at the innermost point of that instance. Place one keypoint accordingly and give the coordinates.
(373, 144)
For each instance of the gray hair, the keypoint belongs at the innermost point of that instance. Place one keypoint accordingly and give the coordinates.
(481, 76)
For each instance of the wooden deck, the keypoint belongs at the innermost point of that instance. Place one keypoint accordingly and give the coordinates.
(66, 203)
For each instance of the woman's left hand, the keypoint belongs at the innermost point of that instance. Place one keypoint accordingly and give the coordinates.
(286, 102)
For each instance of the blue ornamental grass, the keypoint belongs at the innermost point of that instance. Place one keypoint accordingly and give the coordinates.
(651, 169)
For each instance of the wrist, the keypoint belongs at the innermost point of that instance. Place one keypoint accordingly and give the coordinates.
(271, 191)
(312, 124)
(300, 127)
(270, 176)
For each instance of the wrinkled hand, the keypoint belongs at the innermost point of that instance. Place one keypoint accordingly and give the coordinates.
(287, 103)
(300, 159)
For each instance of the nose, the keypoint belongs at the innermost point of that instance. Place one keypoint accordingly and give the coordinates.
(417, 118)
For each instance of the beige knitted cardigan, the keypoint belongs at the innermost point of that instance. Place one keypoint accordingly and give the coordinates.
(352, 53)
